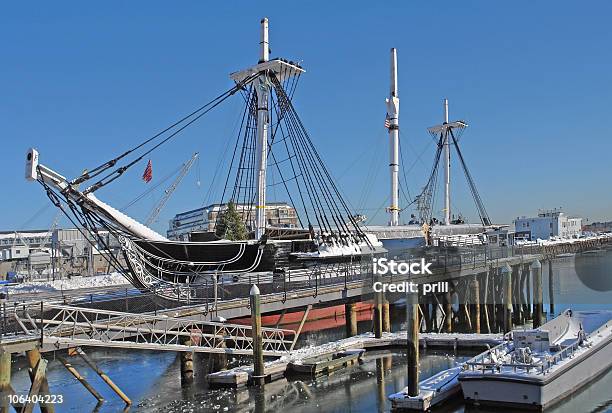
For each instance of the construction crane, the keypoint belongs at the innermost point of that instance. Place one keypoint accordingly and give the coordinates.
(168, 192)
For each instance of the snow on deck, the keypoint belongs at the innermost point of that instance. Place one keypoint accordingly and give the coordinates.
(239, 375)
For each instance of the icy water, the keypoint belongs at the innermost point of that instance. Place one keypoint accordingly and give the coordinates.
(152, 379)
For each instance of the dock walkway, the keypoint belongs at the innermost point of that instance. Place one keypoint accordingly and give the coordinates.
(240, 376)
(55, 326)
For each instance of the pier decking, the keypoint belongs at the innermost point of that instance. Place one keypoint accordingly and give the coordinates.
(240, 376)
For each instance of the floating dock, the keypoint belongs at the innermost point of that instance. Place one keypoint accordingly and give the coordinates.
(342, 353)
(432, 391)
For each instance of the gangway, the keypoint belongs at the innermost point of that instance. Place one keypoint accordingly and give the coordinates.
(60, 326)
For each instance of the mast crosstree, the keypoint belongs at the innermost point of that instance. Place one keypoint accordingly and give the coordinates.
(265, 68)
(444, 131)
(446, 135)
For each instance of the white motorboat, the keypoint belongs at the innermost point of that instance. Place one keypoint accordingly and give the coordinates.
(539, 367)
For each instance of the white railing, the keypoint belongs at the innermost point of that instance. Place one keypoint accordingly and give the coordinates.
(63, 326)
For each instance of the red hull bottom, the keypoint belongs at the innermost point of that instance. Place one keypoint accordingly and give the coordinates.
(318, 318)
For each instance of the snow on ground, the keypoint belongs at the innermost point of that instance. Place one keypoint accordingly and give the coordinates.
(559, 240)
(353, 343)
(74, 283)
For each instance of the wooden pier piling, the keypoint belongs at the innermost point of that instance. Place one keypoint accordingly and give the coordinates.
(377, 315)
(490, 302)
(528, 302)
(258, 360)
(536, 277)
(485, 302)
(186, 364)
(412, 320)
(37, 375)
(506, 272)
(475, 306)
(517, 309)
(386, 319)
(5, 381)
(448, 310)
(463, 315)
(350, 319)
(80, 378)
(434, 312)
(34, 358)
(551, 293)
(103, 376)
(218, 361)
(522, 299)
(425, 311)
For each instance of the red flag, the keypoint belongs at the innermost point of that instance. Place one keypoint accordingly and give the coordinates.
(148, 173)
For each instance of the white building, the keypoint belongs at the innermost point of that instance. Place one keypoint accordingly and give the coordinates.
(278, 215)
(547, 224)
(16, 245)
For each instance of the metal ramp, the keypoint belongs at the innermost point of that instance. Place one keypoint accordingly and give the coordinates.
(60, 326)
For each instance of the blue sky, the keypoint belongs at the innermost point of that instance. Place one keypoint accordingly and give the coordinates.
(533, 79)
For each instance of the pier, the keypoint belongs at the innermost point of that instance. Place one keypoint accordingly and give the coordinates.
(491, 289)
(257, 245)
(327, 357)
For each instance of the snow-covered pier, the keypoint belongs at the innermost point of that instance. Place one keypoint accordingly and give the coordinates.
(273, 370)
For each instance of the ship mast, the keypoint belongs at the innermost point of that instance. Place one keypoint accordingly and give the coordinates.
(393, 119)
(445, 133)
(261, 151)
(447, 210)
(265, 70)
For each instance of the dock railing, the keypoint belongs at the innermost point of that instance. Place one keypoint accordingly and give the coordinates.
(283, 283)
(61, 326)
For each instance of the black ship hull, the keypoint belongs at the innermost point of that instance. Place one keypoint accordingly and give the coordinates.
(178, 269)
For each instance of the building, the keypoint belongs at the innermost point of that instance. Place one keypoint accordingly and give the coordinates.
(598, 227)
(55, 253)
(551, 223)
(18, 245)
(278, 215)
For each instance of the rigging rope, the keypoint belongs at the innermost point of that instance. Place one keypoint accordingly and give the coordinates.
(327, 186)
(482, 212)
(110, 177)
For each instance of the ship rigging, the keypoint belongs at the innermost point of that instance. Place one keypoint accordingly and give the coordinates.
(271, 136)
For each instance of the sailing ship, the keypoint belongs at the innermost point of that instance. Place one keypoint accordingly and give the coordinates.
(271, 135)
(423, 227)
